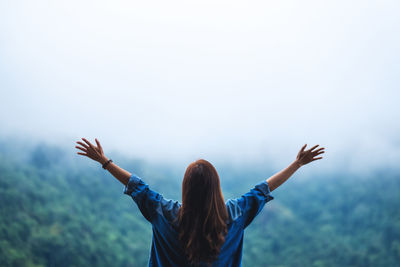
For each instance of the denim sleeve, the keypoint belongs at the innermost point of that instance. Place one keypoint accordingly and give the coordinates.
(149, 202)
(252, 202)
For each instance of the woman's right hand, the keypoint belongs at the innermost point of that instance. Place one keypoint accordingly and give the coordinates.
(306, 156)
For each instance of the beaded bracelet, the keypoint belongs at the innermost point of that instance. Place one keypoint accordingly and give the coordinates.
(105, 164)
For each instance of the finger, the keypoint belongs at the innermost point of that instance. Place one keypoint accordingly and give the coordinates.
(312, 148)
(321, 148)
(81, 148)
(83, 154)
(317, 158)
(82, 144)
(87, 142)
(98, 145)
(316, 154)
(302, 149)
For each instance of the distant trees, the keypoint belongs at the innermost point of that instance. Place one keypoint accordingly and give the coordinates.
(67, 215)
(44, 155)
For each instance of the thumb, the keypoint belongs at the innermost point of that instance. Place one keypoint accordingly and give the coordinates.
(302, 149)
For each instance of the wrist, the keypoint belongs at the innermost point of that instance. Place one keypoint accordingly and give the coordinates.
(297, 163)
(103, 160)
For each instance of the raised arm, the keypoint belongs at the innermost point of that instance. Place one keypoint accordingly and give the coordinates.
(303, 157)
(96, 153)
(150, 203)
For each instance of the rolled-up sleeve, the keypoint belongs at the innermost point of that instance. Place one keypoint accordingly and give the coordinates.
(253, 201)
(146, 199)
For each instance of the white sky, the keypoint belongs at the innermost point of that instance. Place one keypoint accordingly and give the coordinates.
(247, 81)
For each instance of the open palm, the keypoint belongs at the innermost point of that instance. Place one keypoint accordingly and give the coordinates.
(306, 156)
(91, 151)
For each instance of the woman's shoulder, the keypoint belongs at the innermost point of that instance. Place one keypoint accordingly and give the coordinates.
(234, 210)
(169, 209)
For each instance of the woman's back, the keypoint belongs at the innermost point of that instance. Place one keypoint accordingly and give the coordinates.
(204, 228)
(166, 249)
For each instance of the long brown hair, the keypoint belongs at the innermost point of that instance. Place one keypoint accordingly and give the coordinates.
(202, 216)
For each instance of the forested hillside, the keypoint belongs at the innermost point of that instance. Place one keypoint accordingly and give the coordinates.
(58, 211)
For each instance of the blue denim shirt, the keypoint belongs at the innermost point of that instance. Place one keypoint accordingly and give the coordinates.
(160, 212)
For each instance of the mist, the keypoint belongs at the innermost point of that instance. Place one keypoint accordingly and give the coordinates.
(241, 82)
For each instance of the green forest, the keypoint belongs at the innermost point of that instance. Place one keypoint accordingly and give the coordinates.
(57, 209)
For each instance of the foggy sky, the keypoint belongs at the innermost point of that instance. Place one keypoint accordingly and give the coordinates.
(244, 81)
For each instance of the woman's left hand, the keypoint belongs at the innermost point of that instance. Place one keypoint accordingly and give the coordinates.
(91, 151)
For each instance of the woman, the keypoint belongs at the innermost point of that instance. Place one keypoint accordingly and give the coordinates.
(203, 230)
